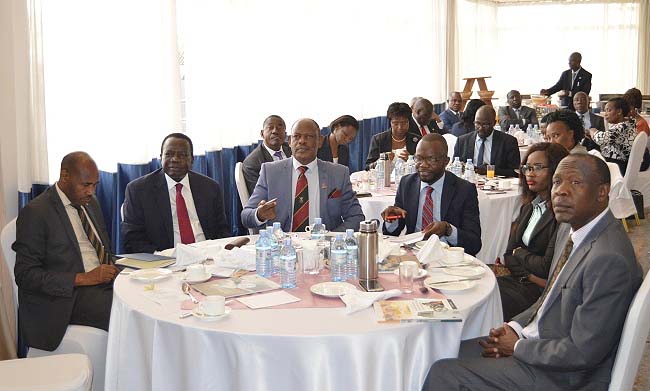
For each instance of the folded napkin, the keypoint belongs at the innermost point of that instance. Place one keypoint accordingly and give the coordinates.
(431, 251)
(386, 248)
(237, 258)
(187, 254)
(357, 300)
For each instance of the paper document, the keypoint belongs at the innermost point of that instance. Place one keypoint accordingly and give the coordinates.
(144, 257)
(268, 299)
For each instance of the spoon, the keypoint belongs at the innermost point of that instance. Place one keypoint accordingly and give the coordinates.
(186, 289)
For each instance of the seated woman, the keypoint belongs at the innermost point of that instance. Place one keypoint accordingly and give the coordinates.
(466, 123)
(529, 253)
(616, 142)
(564, 127)
(395, 140)
(634, 98)
(335, 145)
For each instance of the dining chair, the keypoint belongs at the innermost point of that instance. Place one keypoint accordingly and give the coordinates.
(63, 372)
(451, 143)
(634, 167)
(77, 339)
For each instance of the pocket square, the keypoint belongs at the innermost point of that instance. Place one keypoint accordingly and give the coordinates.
(336, 193)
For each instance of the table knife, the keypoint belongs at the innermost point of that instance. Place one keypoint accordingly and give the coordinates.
(449, 281)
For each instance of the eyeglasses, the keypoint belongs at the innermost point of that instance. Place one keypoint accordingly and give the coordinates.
(534, 169)
(429, 160)
(482, 124)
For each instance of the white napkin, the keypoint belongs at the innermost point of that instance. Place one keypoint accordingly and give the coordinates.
(187, 254)
(431, 251)
(237, 258)
(386, 248)
(358, 300)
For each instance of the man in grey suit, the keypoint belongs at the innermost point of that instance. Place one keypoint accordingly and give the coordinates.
(569, 337)
(515, 113)
(64, 269)
(295, 191)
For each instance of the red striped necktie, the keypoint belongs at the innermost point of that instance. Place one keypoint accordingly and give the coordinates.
(427, 209)
(301, 203)
(103, 254)
(184, 225)
(423, 130)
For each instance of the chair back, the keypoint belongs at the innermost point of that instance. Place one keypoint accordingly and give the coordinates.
(241, 184)
(634, 162)
(633, 337)
(451, 143)
(7, 238)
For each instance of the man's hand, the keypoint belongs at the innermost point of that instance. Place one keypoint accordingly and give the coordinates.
(562, 93)
(393, 211)
(500, 342)
(266, 210)
(435, 117)
(100, 275)
(591, 133)
(543, 92)
(439, 228)
(404, 154)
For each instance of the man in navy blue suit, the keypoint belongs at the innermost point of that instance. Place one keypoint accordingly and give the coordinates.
(571, 82)
(436, 201)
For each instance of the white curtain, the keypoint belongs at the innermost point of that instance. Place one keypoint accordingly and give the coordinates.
(111, 78)
(526, 46)
(643, 76)
(245, 60)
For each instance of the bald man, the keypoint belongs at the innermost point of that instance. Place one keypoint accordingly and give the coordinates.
(572, 81)
(296, 190)
(64, 268)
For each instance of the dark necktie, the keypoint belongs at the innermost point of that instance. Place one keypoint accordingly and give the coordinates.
(481, 152)
(582, 118)
(184, 225)
(549, 284)
(103, 254)
(278, 154)
(301, 203)
(517, 113)
(427, 209)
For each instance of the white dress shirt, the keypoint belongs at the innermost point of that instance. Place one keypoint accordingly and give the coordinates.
(271, 152)
(531, 331)
(314, 188)
(488, 149)
(440, 124)
(539, 207)
(88, 253)
(199, 236)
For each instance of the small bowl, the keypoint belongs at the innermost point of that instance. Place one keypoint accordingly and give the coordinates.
(485, 94)
(466, 95)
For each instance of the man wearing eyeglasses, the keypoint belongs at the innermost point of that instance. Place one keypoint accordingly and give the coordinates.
(485, 146)
(435, 201)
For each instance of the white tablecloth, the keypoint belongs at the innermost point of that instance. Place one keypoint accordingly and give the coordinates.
(497, 212)
(150, 348)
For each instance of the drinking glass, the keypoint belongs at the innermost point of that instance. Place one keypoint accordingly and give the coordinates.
(407, 272)
(490, 171)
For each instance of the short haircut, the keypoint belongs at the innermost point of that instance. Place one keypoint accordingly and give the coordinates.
(272, 116)
(571, 120)
(600, 167)
(435, 138)
(178, 135)
(454, 92)
(511, 93)
(426, 102)
(344, 120)
(306, 119)
(71, 161)
(621, 104)
(470, 111)
(576, 54)
(398, 109)
(554, 154)
(633, 98)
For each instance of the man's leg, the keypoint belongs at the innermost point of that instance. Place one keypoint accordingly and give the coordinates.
(92, 306)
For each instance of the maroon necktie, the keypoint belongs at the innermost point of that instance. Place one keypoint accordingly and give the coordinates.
(427, 209)
(423, 130)
(301, 203)
(187, 235)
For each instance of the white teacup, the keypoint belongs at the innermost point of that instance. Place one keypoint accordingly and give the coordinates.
(505, 185)
(213, 305)
(195, 272)
(455, 255)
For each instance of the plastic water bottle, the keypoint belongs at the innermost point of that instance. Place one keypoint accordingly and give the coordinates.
(352, 262)
(469, 171)
(288, 262)
(400, 166)
(338, 258)
(318, 230)
(380, 172)
(511, 130)
(457, 167)
(410, 165)
(517, 128)
(275, 251)
(263, 255)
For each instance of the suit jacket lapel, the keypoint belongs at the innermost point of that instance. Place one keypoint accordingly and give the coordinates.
(57, 204)
(495, 151)
(160, 195)
(470, 147)
(201, 204)
(323, 185)
(265, 153)
(527, 211)
(448, 190)
(412, 202)
(545, 220)
(287, 150)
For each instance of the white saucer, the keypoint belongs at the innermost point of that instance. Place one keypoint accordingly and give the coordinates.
(150, 275)
(205, 277)
(449, 286)
(421, 273)
(209, 318)
(465, 271)
(332, 288)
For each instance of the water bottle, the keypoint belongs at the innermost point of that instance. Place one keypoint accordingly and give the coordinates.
(275, 251)
(457, 167)
(352, 262)
(410, 165)
(318, 230)
(263, 255)
(380, 172)
(517, 128)
(469, 171)
(400, 165)
(338, 258)
(288, 262)
(511, 130)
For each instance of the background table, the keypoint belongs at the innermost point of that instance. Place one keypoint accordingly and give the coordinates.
(149, 347)
(497, 212)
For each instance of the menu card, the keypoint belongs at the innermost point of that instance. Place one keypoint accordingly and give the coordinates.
(237, 286)
(416, 310)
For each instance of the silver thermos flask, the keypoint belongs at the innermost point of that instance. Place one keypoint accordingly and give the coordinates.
(388, 167)
(368, 251)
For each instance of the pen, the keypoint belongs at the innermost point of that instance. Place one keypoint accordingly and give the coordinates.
(393, 217)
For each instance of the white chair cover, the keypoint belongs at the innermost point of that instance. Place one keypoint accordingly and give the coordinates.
(242, 190)
(66, 372)
(451, 143)
(620, 198)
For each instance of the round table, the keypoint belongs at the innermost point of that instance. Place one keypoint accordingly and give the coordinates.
(149, 347)
(497, 212)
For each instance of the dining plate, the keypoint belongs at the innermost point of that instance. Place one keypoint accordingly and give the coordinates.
(210, 318)
(332, 289)
(421, 273)
(203, 278)
(150, 275)
(465, 271)
(448, 286)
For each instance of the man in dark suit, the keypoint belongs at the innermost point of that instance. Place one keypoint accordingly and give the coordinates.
(172, 205)
(64, 269)
(572, 81)
(485, 146)
(272, 148)
(590, 121)
(452, 115)
(516, 114)
(424, 120)
(568, 339)
(435, 201)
